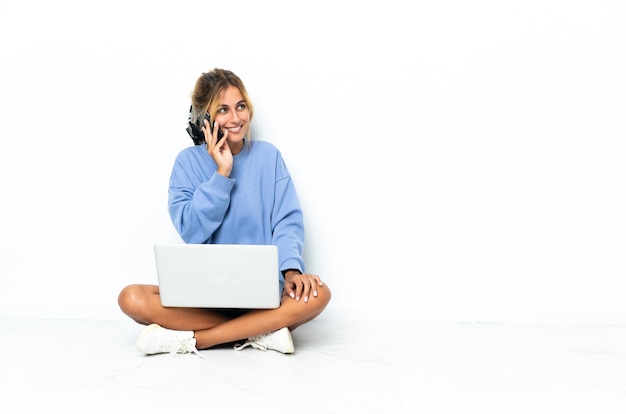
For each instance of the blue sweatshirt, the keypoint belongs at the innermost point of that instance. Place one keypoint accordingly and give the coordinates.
(258, 204)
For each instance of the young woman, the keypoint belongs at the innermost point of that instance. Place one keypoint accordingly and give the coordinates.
(230, 189)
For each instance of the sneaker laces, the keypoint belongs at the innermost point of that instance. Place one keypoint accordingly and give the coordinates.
(255, 342)
(184, 347)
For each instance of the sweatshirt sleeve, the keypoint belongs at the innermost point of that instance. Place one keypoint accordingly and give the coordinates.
(197, 207)
(287, 219)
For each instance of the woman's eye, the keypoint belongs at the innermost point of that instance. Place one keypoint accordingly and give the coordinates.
(241, 106)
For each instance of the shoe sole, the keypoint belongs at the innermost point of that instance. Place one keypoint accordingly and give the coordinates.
(145, 333)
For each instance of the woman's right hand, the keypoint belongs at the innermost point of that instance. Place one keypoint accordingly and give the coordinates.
(219, 150)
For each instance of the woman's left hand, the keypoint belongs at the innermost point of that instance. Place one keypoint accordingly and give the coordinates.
(301, 285)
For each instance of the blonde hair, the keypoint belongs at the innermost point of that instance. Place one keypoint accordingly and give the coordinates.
(208, 90)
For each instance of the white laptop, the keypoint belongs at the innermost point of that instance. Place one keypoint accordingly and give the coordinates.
(218, 275)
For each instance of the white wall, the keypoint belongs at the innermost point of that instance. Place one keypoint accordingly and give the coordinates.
(460, 160)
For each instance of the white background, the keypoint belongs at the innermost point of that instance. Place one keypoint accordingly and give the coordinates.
(454, 159)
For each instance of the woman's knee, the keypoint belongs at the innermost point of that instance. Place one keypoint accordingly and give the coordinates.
(305, 312)
(324, 295)
(317, 304)
(131, 299)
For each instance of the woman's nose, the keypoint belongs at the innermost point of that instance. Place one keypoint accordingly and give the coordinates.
(234, 117)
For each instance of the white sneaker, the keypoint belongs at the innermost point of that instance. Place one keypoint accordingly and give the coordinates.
(156, 340)
(279, 340)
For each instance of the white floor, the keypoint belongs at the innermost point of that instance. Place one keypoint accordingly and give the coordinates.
(342, 364)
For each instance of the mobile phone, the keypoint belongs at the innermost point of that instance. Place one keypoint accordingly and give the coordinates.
(220, 133)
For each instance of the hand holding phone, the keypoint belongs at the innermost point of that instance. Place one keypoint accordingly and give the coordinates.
(219, 151)
(220, 133)
(195, 127)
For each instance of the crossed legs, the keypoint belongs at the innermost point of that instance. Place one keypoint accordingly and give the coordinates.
(143, 304)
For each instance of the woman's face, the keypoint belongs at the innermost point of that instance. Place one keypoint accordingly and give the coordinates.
(233, 117)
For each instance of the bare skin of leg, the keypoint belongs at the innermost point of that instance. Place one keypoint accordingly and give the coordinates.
(143, 304)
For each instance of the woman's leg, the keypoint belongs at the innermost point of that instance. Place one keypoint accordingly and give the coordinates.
(142, 303)
(291, 314)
